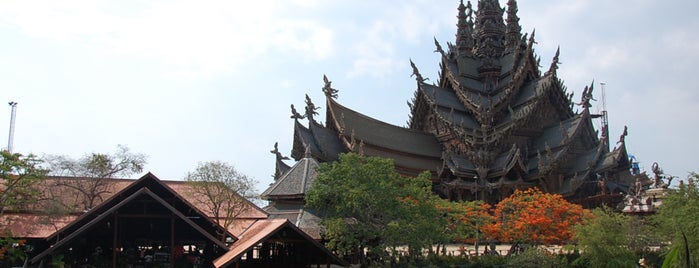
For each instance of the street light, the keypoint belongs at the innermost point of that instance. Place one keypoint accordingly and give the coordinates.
(12, 126)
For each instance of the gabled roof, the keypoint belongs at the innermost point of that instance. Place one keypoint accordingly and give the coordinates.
(55, 189)
(150, 187)
(295, 182)
(381, 134)
(263, 230)
(149, 181)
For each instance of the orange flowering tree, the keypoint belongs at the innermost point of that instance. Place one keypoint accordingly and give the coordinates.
(534, 217)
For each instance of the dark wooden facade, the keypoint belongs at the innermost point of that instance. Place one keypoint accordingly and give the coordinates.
(493, 122)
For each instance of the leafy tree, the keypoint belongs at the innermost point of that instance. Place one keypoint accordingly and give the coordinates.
(678, 219)
(92, 172)
(18, 174)
(223, 190)
(605, 240)
(533, 217)
(465, 219)
(367, 205)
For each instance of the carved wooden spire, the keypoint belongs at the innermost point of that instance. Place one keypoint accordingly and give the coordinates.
(464, 32)
(513, 33)
(489, 30)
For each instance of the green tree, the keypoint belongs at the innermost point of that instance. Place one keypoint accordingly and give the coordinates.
(18, 175)
(367, 205)
(465, 219)
(678, 220)
(91, 173)
(223, 190)
(605, 240)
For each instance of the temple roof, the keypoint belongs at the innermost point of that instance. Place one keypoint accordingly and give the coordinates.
(295, 182)
(371, 131)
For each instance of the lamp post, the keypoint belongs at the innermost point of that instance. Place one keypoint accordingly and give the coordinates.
(12, 126)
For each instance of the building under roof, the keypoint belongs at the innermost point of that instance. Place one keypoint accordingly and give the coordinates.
(148, 223)
(494, 122)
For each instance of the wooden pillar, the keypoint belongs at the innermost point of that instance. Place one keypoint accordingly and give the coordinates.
(114, 240)
(172, 240)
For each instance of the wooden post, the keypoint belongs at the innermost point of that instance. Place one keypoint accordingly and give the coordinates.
(114, 240)
(172, 241)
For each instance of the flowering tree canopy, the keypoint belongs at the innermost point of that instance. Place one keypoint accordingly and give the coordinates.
(531, 216)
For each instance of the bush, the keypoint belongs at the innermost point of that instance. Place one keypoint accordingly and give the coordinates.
(537, 257)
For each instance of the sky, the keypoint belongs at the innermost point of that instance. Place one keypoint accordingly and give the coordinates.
(186, 82)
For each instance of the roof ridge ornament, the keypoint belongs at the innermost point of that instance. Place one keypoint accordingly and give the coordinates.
(439, 48)
(295, 115)
(554, 62)
(310, 108)
(327, 88)
(587, 96)
(416, 73)
(622, 138)
(276, 152)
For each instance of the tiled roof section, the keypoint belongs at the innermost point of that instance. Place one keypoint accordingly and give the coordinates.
(148, 182)
(260, 232)
(381, 134)
(33, 225)
(295, 182)
(323, 142)
(306, 219)
(54, 189)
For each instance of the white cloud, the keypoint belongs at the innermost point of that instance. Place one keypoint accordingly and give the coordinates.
(194, 38)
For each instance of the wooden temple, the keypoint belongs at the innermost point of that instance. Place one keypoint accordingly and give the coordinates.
(494, 122)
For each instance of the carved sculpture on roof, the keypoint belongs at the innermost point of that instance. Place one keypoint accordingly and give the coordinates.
(587, 96)
(439, 48)
(310, 108)
(278, 154)
(554, 62)
(416, 73)
(623, 135)
(295, 115)
(327, 88)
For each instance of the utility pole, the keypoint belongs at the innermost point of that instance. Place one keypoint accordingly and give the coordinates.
(12, 126)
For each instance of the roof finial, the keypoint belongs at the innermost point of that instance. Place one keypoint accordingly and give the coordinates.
(587, 96)
(296, 115)
(622, 138)
(554, 62)
(310, 108)
(439, 48)
(328, 90)
(416, 73)
(276, 152)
